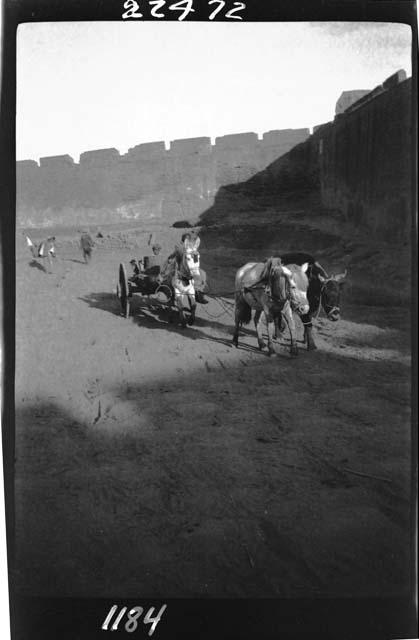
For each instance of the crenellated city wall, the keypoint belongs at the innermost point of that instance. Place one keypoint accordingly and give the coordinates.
(360, 165)
(147, 183)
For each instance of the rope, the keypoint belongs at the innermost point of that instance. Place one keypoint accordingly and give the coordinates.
(226, 309)
(219, 295)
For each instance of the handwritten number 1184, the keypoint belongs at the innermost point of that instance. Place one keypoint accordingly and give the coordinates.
(132, 618)
(185, 7)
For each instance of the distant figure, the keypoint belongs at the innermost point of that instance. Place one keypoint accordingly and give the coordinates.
(46, 249)
(86, 245)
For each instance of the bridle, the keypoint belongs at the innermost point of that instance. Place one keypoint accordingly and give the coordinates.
(321, 304)
(182, 270)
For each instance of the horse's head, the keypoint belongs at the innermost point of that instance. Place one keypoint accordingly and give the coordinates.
(289, 282)
(183, 267)
(330, 294)
(298, 285)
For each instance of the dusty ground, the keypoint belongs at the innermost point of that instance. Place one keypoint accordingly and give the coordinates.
(156, 461)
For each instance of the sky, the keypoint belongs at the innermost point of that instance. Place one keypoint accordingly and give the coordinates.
(96, 85)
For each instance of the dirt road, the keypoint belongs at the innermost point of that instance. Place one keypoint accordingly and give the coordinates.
(152, 460)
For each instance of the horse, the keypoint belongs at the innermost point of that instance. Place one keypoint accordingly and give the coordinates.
(273, 290)
(176, 273)
(46, 249)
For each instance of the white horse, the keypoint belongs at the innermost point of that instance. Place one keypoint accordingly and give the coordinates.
(273, 291)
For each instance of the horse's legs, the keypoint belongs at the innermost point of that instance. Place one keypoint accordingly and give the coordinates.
(192, 306)
(179, 304)
(270, 321)
(258, 326)
(238, 318)
(236, 325)
(308, 332)
(281, 323)
(289, 319)
(279, 328)
(236, 330)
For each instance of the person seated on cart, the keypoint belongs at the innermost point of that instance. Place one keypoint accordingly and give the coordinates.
(152, 264)
(149, 265)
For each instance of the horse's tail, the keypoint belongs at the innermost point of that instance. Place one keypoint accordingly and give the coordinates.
(243, 310)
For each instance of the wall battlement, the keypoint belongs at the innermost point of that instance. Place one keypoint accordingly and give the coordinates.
(181, 182)
(149, 181)
(247, 141)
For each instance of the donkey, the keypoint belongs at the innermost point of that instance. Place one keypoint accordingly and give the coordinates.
(273, 290)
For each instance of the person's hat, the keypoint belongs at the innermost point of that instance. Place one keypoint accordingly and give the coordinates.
(156, 246)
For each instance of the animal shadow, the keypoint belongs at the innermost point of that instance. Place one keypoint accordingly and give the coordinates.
(36, 265)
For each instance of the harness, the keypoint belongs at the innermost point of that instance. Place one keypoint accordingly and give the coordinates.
(267, 288)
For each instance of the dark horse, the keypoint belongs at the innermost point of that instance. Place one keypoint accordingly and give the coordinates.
(323, 292)
(177, 275)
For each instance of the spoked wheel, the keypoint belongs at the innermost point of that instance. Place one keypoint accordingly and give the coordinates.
(164, 293)
(122, 291)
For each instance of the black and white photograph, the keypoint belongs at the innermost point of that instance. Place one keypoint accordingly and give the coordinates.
(213, 316)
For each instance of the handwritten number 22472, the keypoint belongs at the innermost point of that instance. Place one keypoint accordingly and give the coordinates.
(184, 6)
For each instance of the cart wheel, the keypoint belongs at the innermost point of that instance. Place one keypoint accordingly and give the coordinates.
(123, 291)
(164, 293)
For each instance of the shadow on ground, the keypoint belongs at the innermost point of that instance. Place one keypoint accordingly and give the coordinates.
(145, 312)
(37, 265)
(278, 479)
